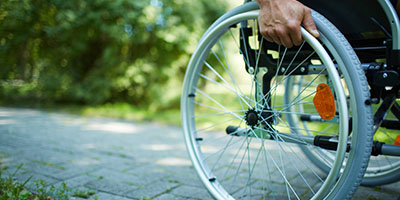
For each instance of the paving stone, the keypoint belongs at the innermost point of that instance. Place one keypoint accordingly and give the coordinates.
(138, 180)
(187, 170)
(107, 196)
(147, 169)
(276, 190)
(13, 141)
(369, 193)
(192, 192)
(135, 160)
(393, 188)
(71, 172)
(118, 164)
(43, 168)
(153, 190)
(34, 179)
(16, 162)
(144, 179)
(85, 160)
(306, 179)
(78, 181)
(6, 150)
(81, 189)
(235, 185)
(189, 180)
(110, 187)
(251, 194)
(169, 197)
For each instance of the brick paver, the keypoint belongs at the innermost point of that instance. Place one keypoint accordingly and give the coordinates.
(117, 159)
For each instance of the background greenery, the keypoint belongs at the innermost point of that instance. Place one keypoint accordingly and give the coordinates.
(99, 52)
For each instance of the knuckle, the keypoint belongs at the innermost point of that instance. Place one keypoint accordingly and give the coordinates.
(292, 25)
(276, 40)
(279, 31)
(297, 42)
(307, 10)
(264, 32)
(271, 33)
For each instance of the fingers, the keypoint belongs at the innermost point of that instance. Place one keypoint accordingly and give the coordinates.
(282, 37)
(271, 35)
(295, 34)
(285, 39)
(309, 24)
(285, 29)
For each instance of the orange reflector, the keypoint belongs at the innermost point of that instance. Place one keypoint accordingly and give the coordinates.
(397, 141)
(324, 102)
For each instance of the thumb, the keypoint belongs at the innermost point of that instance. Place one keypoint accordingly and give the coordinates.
(309, 24)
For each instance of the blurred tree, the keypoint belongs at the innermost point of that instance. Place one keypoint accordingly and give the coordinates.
(99, 51)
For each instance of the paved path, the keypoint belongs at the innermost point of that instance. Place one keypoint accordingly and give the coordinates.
(117, 159)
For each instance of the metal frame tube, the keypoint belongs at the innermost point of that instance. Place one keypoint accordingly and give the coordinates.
(390, 150)
(393, 21)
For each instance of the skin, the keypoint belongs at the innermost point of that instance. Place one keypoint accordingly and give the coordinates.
(280, 21)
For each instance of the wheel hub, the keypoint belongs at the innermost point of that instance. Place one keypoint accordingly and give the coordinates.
(252, 118)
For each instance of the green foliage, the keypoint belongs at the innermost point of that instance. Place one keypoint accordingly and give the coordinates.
(83, 193)
(129, 112)
(12, 190)
(99, 51)
(43, 192)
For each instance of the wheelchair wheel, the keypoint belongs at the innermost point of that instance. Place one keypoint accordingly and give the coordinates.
(384, 169)
(381, 169)
(234, 112)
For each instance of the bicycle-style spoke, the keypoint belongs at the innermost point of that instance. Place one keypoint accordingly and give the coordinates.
(229, 71)
(214, 125)
(287, 75)
(280, 140)
(221, 78)
(216, 102)
(245, 143)
(282, 164)
(220, 113)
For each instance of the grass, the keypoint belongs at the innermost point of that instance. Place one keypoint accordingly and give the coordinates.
(14, 190)
(50, 164)
(83, 194)
(129, 112)
(10, 190)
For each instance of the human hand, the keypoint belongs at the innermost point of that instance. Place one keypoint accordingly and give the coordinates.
(280, 21)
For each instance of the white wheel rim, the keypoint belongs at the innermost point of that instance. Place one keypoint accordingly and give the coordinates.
(215, 188)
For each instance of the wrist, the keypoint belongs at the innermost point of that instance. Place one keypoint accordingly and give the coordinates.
(270, 3)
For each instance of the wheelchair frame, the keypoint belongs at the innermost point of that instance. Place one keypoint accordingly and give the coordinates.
(346, 177)
(378, 78)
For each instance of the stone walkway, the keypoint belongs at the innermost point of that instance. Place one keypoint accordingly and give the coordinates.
(116, 159)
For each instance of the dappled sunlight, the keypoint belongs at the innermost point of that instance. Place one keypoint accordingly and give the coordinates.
(209, 149)
(113, 127)
(158, 147)
(89, 146)
(174, 161)
(6, 160)
(86, 161)
(6, 121)
(22, 112)
(6, 114)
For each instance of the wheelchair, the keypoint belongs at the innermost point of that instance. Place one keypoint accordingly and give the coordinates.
(311, 122)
